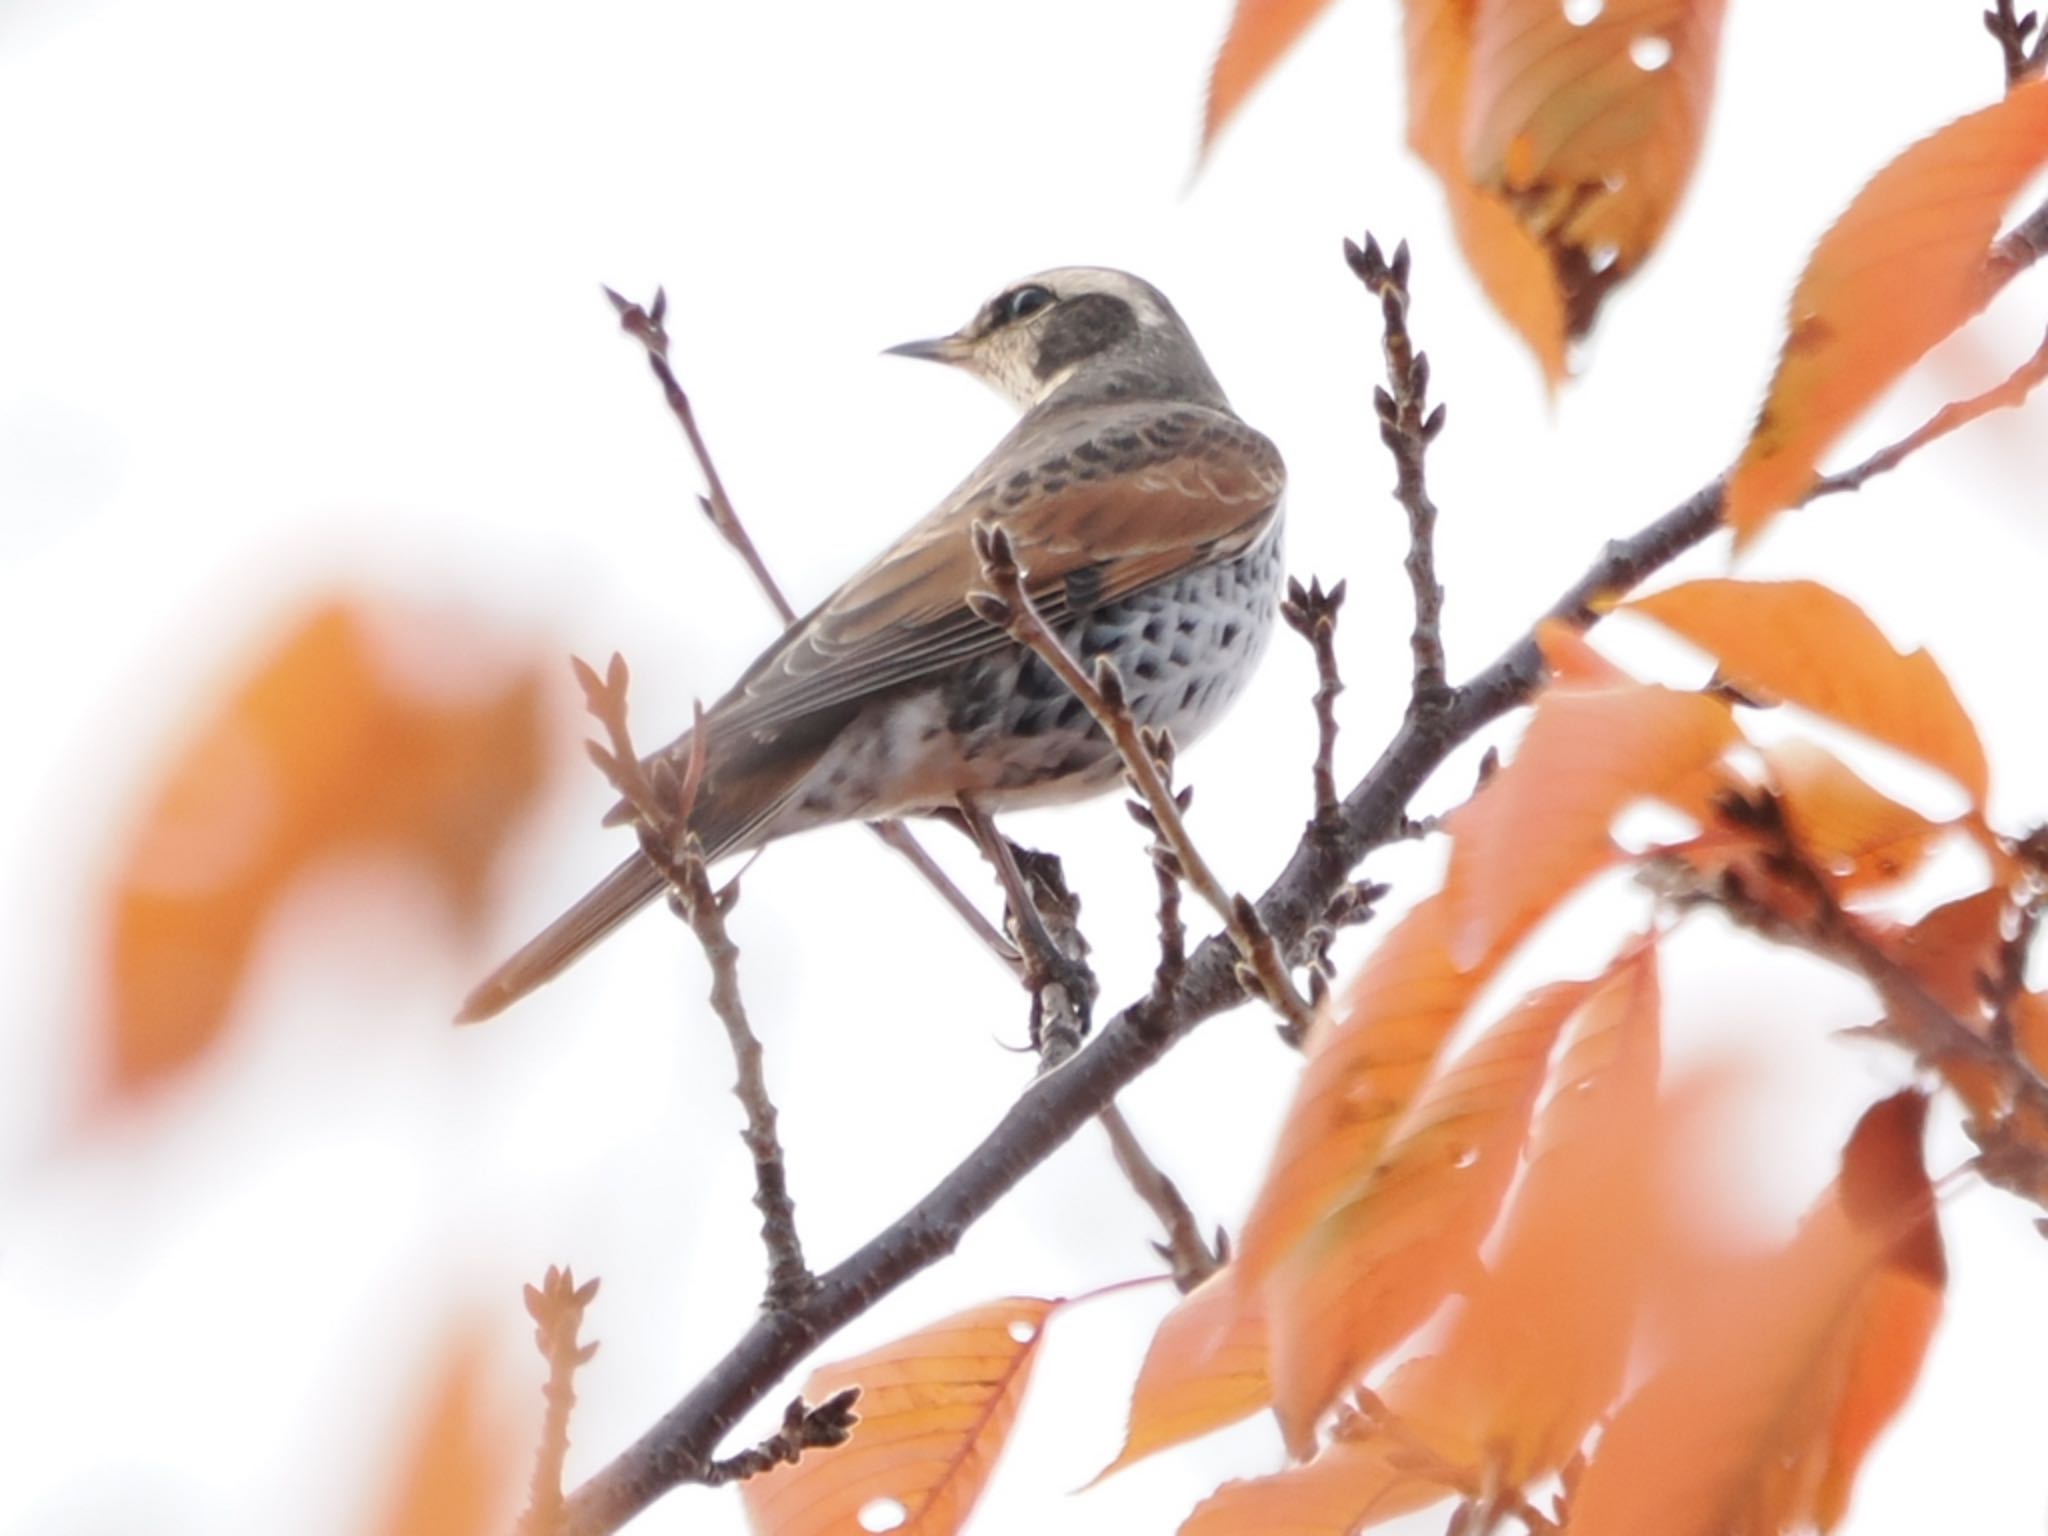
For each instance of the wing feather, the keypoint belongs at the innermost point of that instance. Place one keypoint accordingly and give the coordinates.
(1131, 499)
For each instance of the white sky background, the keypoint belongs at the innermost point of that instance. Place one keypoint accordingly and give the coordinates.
(293, 298)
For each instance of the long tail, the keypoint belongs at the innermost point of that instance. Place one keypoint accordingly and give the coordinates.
(617, 897)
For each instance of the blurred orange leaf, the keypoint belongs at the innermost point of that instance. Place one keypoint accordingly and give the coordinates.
(1856, 835)
(1563, 144)
(1408, 1233)
(330, 746)
(1808, 645)
(1355, 1483)
(1361, 1073)
(1954, 949)
(1511, 266)
(1588, 127)
(1205, 1368)
(1906, 265)
(1260, 32)
(2029, 1014)
(1569, 657)
(1762, 1416)
(1540, 1353)
(460, 1469)
(1539, 826)
(935, 1411)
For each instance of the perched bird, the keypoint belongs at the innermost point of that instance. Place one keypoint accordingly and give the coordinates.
(1146, 519)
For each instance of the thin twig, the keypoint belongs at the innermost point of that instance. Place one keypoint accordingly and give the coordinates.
(556, 1307)
(1914, 1017)
(1009, 606)
(1058, 1104)
(2010, 393)
(1173, 931)
(646, 326)
(804, 1428)
(1062, 987)
(1312, 613)
(661, 811)
(1408, 426)
(2012, 32)
(1185, 1248)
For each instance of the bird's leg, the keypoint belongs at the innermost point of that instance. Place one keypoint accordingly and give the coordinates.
(1043, 917)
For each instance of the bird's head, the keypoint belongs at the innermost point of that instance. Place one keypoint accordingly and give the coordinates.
(1081, 334)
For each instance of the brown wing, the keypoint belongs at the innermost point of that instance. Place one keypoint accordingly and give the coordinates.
(1097, 507)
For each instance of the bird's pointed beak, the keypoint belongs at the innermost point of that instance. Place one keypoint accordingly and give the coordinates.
(952, 350)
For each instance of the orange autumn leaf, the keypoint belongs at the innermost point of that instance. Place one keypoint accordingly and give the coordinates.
(338, 742)
(1205, 1368)
(1906, 265)
(1569, 657)
(1542, 1350)
(935, 1410)
(1954, 950)
(2028, 1013)
(1261, 31)
(461, 1468)
(1352, 1485)
(1856, 835)
(1408, 1233)
(1361, 1073)
(1562, 146)
(1589, 128)
(1763, 1414)
(1513, 269)
(1808, 645)
(1539, 826)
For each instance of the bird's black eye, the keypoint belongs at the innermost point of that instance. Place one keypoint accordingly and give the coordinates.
(1022, 303)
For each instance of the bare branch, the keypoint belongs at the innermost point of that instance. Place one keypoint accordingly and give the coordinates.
(1312, 613)
(661, 812)
(556, 1307)
(1185, 1248)
(1408, 427)
(1914, 1017)
(804, 1428)
(1007, 604)
(1059, 1103)
(645, 325)
(2010, 393)
(2013, 32)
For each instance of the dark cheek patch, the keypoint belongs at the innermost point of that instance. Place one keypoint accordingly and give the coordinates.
(1080, 328)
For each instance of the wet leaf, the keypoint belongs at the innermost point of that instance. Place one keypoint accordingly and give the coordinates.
(936, 1409)
(1906, 265)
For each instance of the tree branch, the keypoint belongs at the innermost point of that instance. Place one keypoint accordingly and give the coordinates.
(556, 1306)
(2008, 394)
(1312, 613)
(1058, 1103)
(1185, 1248)
(1314, 881)
(661, 810)
(2012, 32)
(1408, 427)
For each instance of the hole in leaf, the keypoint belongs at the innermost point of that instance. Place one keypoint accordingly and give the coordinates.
(1464, 1157)
(1650, 53)
(1601, 257)
(1583, 13)
(1023, 1330)
(882, 1514)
